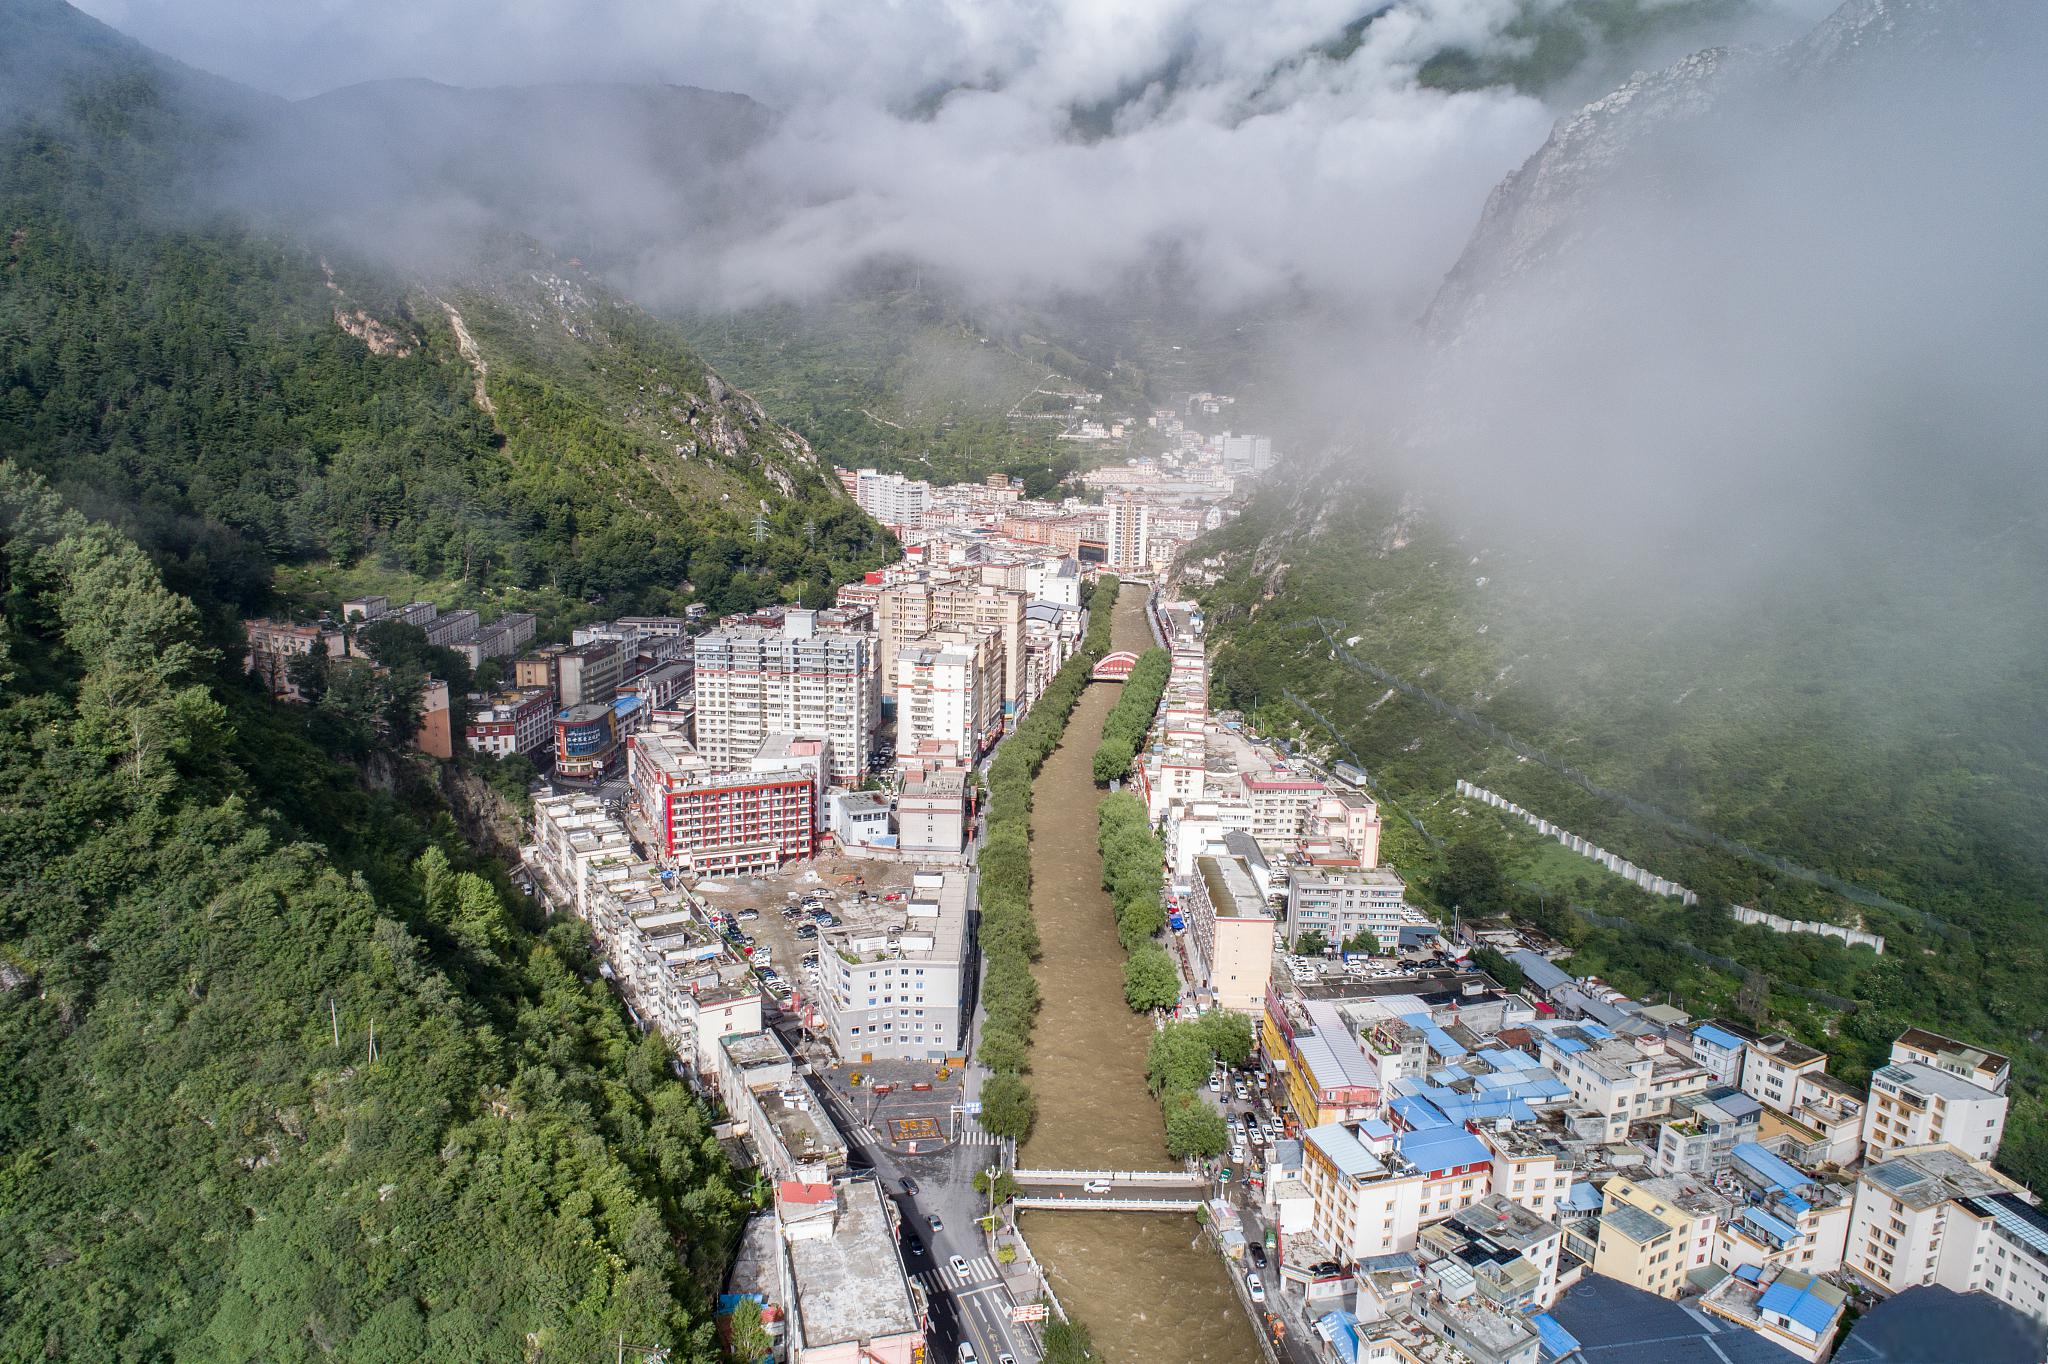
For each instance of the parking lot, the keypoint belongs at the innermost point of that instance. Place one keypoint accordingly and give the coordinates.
(778, 918)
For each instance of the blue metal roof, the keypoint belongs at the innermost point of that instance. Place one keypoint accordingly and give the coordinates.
(1556, 1341)
(1815, 1314)
(1783, 1231)
(1419, 1114)
(1773, 1171)
(1440, 1041)
(1583, 1197)
(1441, 1148)
(1340, 1328)
(1720, 1037)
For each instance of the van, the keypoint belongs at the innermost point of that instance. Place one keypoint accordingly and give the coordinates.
(1096, 1186)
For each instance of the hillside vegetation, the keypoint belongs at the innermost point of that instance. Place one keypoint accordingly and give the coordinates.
(204, 1155)
(1875, 783)
(240, 394)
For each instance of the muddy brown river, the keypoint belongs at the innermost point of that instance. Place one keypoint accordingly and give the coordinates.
(1149, 1288)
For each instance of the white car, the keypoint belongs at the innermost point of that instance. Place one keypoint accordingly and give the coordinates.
(1255, 1287)
(1097, 1186)
(959, 1266)
(967, 1355)
(1215, 1084)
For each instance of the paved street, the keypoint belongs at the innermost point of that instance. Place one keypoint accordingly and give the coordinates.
(978, 1302)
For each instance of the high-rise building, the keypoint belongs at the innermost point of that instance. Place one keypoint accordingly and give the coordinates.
(754, 680)
(897, 502)
(949, 688)
(1937, 1089)
(1130, 532)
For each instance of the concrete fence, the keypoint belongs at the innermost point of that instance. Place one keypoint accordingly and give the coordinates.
(1747, 914)
(1620, 866)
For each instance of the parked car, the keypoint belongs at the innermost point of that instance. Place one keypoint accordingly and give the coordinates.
(1215, 1084)
(934, 1223)
(967, 1355)
(909, 1186)
(1256, 1287)
(1258, 1254)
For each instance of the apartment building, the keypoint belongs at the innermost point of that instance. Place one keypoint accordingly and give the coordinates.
(1704, 1129)
(274, 644)
(1932, 1215)
(1371, 1191)
(1773, 1066)
(755, 680)
(897, 502)
(444, 630)
(1281, 808)
(1507, 1253)
(1130, 532)
(1654, 1232)
(1341, 903)
(907, 612)
(1618, 1082)
(726, 823)
(502, 638)
(894, 978)
(1937, 1089)
(949, 688)
(520, 721)
(931, 813)
(1233, 933)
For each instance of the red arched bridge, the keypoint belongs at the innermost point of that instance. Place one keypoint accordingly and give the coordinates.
(1114, 667)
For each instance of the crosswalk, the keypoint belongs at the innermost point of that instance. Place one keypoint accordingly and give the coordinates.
(970, 1134)
(942, 1279)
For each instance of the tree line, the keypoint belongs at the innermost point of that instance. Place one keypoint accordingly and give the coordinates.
(1009, 930)
(1130, 719)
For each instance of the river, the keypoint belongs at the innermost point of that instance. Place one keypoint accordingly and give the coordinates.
(1148, 1286)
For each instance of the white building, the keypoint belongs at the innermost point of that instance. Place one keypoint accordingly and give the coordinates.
(1930, 1215)
(894, 987)
(754, 680)
(1937, 1090)
(897, 502)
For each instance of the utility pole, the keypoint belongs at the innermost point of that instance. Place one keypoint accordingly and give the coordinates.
(334, 1021)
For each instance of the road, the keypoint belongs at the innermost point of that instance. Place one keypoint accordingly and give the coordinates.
(977, 1304)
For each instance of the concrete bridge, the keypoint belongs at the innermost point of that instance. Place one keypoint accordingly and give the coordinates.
(1107, 1203)
(1127, 1191)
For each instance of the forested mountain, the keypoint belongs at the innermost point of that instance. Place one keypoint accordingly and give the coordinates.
(239, 389)
(290, 1074)
(204, 1152)
(1719, 520)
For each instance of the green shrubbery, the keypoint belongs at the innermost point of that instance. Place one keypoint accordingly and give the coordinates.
(1177, 1065)
(1123, 732)
(1009, 933)
(1133, 868)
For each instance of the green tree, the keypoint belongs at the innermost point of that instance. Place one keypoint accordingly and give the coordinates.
(750, 1339)
(1150, 981)
(1472, 880)
(1005, 1185)
(1067, 1342)
(1362, 943)
(1008, 1108)
(308, 672)
(1228, 1035)
(1498, 966)
(1194, 1127)
(1312, 943)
